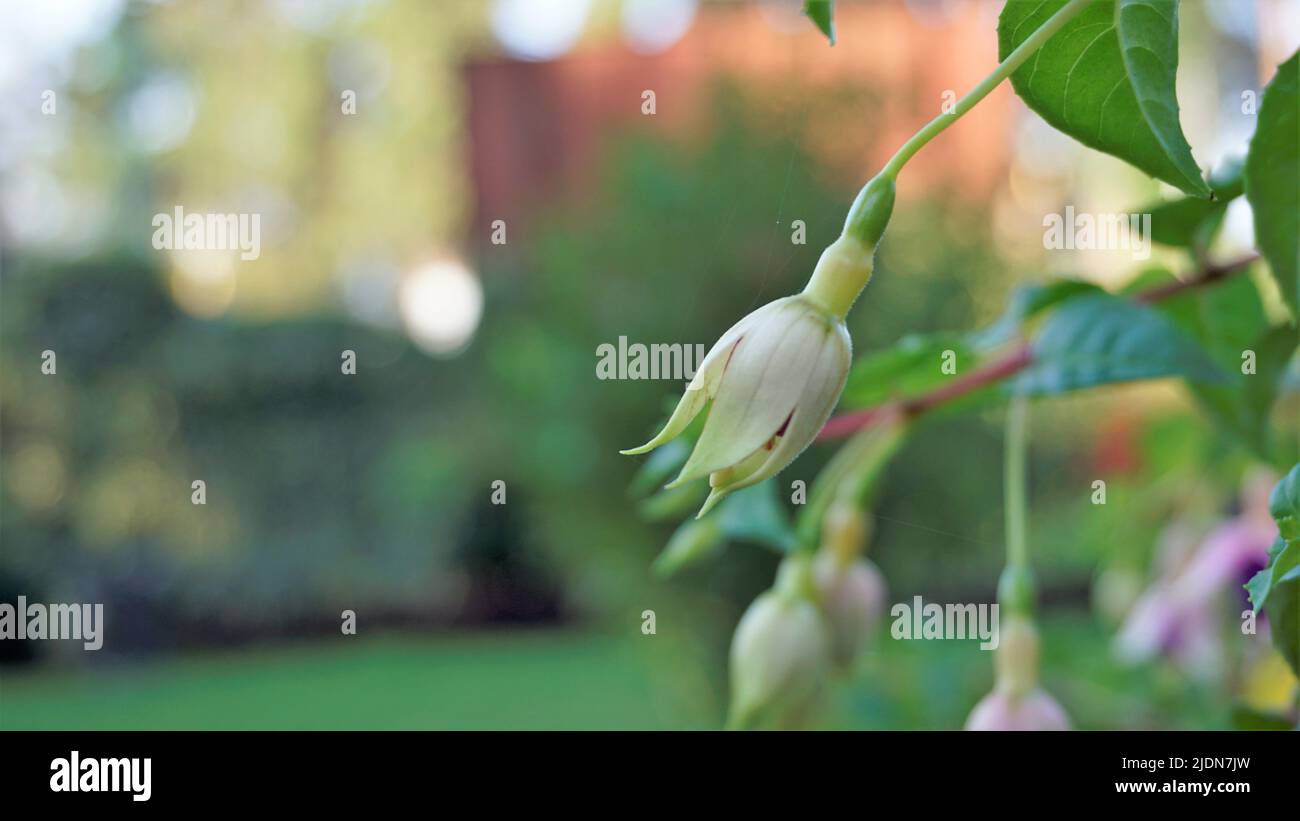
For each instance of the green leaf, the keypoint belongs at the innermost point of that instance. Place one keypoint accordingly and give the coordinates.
(1259, 585)
(822, 13)
(1192, 222)
(1246, 412)
(695, 541)
(1248, 718)
(1273, 179)
(1283, 609)
(1276, 588)
(1107, 79)
(1284, 506)
(1099, 338)
(755, 515)
(674, 503)
(910, 366)
(1026, 302)
(1228, 320)
(1224, 319)
(1149, 278)
(660, 466)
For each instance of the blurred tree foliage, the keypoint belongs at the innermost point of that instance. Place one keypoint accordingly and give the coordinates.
(327, 491)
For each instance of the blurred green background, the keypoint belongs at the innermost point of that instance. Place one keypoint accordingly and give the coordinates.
(372, 492)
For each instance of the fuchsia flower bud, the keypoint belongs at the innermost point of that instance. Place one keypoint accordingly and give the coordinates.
(780, 654)
(853, 599)
(1033, 711)
(772, 380)
(1017, 702)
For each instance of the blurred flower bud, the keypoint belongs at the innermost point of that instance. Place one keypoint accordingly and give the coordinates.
(1017, 702)
(772, 381)
(1016, 659)
(780, 653)
(1035, 710)
(845, 530)
(853, 601)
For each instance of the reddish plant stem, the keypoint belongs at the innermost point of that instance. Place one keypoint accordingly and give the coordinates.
(1012, 363)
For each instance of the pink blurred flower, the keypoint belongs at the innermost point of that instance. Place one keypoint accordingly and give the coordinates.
(1178, 616)
(1017, 702)
(1000, 710)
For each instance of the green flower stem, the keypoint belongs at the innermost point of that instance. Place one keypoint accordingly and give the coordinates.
(852, 475)
(863, 216)
(1004, 70)
(1014, 478)
(1016, 587)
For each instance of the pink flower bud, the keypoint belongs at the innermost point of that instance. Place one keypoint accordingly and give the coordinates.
(1035, 710)
(1017, 702)
(853, 601)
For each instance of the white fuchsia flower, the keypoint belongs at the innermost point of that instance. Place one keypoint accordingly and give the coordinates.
(771, 381)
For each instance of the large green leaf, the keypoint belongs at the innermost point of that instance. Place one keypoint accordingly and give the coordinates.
(1284, 506)
(1261, 584)
(1099, 338)
(1026, 302)
(1276, 588)
(910, 366)
(1228, 320)
(1225, 319)
(1273, 179)
(822, 13)
(1245, 411)
(1107, 79)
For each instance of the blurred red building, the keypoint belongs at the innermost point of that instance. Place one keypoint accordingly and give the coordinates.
(535, 127)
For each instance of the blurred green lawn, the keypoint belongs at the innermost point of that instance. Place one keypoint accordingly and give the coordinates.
(529, 679)
(541, 679)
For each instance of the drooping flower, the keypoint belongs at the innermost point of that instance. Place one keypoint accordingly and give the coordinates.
(850, 588)
(780, 653)
(1035, 710)
(1017, 702)
(771, 381)
(853, 599)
